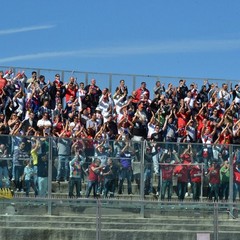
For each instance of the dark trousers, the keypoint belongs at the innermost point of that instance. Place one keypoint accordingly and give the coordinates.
(182, 189)
(196, 190)
(125, 173)
(74, 181)
(166, 186)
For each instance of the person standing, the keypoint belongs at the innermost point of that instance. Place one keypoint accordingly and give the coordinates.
(110, 174)
(224, 179)
(214, 180)
(94, 171)
(75, 176)
(64, 151)
(196, 181)
(42, 170)
(28, 177)
(126, 168)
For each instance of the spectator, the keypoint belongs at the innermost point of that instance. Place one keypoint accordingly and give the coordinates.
(64, 152)
(122, 89)
(214, 180)
(71, 89)
(140, 121)
(140, 92)
(225, 95)
(181, 171)
(92, 123)
(28, 178)
(196, 181)
(94, 171)
(33, 78)
(93, 93)
(148, 170)
(167, 159)
(236, 94)
(75, 175)
(182, 90)
(126, 168)
(44, 124)
(224, 181)
(42, 173)
(29, 123)
(19, 155)
(3, 82)
(109, 172)
(159, 89)
(4, 175)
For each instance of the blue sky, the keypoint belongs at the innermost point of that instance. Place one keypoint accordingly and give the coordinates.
(171, 38)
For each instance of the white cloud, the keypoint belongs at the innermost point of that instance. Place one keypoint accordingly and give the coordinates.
(193, 46)
(25, 29)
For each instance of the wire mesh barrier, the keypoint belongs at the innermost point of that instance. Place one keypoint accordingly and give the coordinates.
(142, 189)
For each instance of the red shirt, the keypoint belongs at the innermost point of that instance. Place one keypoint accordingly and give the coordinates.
(140, 92)
(70, 92)
(214, 175)
(167, 172)
(182, 172)
(3, 83)
(193, 171)
(182, 120)
(93, 176)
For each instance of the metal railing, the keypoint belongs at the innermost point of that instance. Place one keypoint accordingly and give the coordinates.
(111, 80)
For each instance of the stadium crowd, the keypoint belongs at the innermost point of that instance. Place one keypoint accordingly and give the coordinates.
(100, 133)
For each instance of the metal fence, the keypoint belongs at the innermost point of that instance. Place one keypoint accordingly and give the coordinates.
(111, 80)
(145, 175)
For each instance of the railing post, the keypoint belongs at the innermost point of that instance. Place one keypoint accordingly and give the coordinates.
(202, 181)
(134, 82)
(98, 220)
(50, 160)
(231, 182)
(215, 221)
(86, 79)
(110, 83)
(143, 143)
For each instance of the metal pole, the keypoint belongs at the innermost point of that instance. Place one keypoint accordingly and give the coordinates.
(98, 220)
(110, 83)
(215, 221)
(142, 178)
(134, 82)
(86, 79)
(202, 182)
(231, 181)
(50, 156)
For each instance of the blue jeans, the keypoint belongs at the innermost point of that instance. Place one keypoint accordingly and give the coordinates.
(125, 173)
(42, 186)
(77, 182)
(214, 190)
(4, 174)
(91, 185)
(63, 167)
(18, 172)
(182, 189)
(166, 185)
(196, 190)
(236, 191)
(148, 175)
(109, 187)
(28, 184)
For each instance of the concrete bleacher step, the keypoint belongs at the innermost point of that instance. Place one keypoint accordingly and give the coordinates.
(160, 225)
(116, 227)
